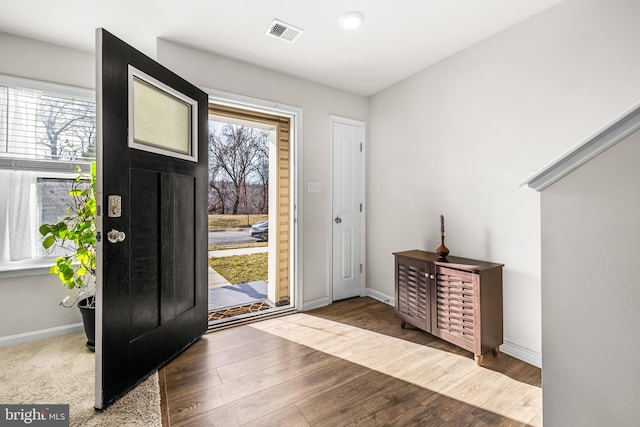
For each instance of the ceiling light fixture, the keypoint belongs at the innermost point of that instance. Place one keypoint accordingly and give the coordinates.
(351, 20)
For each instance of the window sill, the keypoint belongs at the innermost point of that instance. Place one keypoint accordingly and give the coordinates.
(39, 267)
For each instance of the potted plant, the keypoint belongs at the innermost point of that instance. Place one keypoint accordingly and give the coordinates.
(74, 238)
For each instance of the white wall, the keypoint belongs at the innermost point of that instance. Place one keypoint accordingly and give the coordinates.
(29, 309)
(455, 139)
(32, 59)
(318, 102)
(458, 137)
(590, 292)
(30, 304)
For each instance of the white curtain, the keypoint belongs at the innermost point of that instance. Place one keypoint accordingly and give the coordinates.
(22, 123)
(18, 198)
(18, 215)
(3, 120)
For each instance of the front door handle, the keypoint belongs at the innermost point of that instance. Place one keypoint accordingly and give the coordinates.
(338, 220)
(115, 236)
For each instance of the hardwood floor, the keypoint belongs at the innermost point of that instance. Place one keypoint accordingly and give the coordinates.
(346, 364)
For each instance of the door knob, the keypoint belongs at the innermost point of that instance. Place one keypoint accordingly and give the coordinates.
(338, 220)
(115, 236)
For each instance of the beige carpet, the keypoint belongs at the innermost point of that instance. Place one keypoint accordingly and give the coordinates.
(61, 371)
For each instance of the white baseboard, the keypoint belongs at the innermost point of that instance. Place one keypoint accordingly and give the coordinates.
(509, 348)
(524, 354)
(40, 335)
(379, 296)
(316, 303)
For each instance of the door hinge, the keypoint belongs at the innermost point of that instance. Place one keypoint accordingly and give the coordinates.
(360, 268)
(361, 147)
(360, 207)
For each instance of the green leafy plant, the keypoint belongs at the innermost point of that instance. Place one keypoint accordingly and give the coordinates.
(75, 234)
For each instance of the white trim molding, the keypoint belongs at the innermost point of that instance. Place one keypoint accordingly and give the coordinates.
(296, 132)
(604, 138)
(48, 87)
(524, 354)
(316, 303)
(507, 347)
(380, 296)
(40, 335)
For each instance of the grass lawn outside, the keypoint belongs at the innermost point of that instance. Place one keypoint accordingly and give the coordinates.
(240, 246)
(242, 268)
(234, 222)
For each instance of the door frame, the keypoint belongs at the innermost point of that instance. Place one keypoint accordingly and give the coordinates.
(332, 120)
(295, 117)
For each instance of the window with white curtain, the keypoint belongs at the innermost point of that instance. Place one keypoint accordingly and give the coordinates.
(46, 131)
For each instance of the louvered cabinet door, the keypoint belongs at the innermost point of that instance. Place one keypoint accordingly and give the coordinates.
(413, 292)
(460, 297)
(454, 313)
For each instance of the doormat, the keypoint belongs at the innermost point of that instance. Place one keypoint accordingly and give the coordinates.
(237, 311)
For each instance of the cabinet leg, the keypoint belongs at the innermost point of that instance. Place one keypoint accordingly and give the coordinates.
(403, 324)
(479, 359)
(496, 351)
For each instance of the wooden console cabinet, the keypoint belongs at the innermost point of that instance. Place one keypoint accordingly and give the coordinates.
(456, 299)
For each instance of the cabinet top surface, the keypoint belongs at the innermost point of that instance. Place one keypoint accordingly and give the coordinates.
(450, 261)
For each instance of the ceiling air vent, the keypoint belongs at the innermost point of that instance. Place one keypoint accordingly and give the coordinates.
(283, 31)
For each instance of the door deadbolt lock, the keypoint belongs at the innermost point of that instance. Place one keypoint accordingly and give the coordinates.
(338, 220)
(115, 236)
(115, 206)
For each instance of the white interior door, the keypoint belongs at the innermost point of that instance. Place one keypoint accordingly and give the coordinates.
(347, 207)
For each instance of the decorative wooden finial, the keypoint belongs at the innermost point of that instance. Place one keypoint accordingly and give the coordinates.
(442, 250)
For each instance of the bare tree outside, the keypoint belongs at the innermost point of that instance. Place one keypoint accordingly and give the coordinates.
(38, 125)
(217, 188)
(238, 170)
(261, 177)
(66, 127)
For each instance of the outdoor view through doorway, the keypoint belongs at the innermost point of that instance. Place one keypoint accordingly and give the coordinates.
(249, 211)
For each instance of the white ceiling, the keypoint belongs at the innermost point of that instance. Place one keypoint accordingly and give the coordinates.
(398, 38)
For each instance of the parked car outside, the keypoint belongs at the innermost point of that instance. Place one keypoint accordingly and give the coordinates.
(260, 230)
